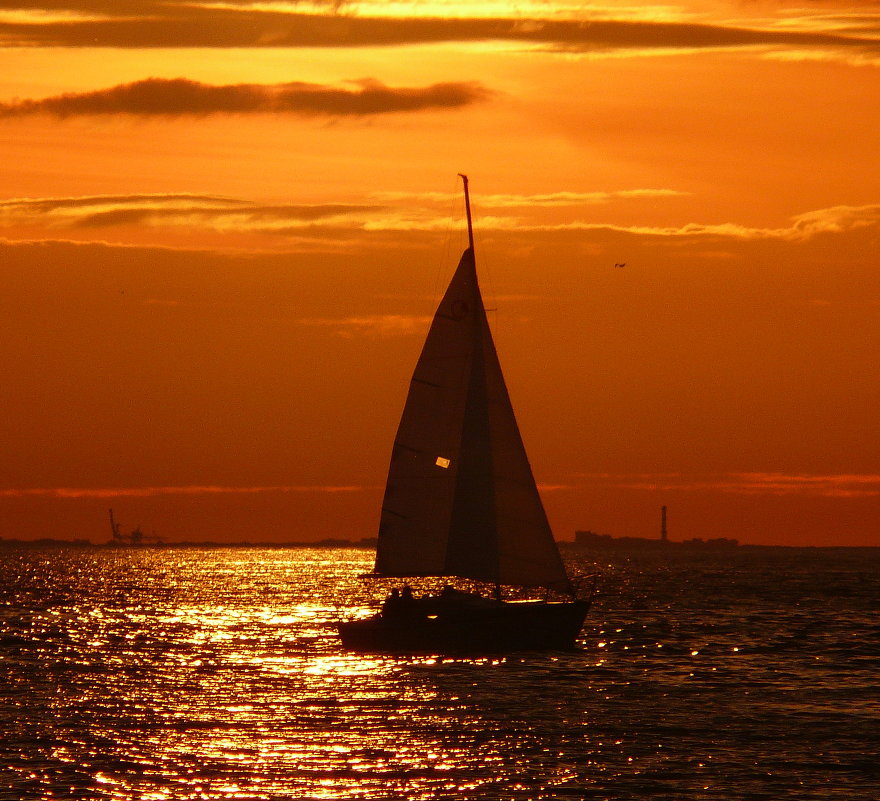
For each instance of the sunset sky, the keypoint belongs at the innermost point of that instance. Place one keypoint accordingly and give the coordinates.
(224, 227)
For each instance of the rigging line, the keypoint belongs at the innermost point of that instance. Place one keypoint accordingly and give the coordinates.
(484, 271)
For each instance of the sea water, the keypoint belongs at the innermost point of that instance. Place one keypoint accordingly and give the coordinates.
(195, 673)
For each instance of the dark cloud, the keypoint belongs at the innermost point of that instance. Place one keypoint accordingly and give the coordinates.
(176, 97)
(169, 24)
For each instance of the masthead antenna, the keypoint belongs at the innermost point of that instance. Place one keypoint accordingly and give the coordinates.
(467, 208)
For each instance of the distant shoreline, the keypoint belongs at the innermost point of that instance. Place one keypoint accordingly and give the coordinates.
(605, 543)
(590, 539)
(635, 544)
(366, 542)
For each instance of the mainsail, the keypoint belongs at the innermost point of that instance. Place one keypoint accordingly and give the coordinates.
(461, 499)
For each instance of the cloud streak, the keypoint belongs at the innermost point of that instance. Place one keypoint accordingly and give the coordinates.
(73, 493)
(418, 214)
(150, 23)
(381, 325)
(844, 485)
(552, 199)
(218, 213)
(833, 220)
(181, 97)
(803, 227)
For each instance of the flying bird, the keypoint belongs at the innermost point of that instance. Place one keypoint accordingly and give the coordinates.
(620, 265)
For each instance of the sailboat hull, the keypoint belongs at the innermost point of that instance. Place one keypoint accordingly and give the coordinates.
(499, 628)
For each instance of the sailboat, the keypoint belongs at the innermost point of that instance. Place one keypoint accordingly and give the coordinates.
(461, 502)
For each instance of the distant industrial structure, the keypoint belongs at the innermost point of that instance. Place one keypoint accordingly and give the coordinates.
(133, 537)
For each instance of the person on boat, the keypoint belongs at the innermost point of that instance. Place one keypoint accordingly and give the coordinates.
(391, 605)
(409, 606)
(402, 605)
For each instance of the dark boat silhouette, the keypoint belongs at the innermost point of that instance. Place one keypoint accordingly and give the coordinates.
(461, 501)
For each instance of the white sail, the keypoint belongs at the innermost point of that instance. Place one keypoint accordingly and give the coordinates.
(461, 499)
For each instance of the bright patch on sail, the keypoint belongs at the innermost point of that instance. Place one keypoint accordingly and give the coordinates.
(441, 462)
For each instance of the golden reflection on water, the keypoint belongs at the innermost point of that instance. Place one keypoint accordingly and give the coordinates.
(217, 674)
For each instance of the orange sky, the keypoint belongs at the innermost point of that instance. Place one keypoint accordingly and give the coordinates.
(224, 227)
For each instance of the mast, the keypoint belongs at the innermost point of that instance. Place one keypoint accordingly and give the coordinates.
(467, 207)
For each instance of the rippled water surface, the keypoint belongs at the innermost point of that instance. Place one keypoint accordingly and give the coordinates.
(216, 674)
